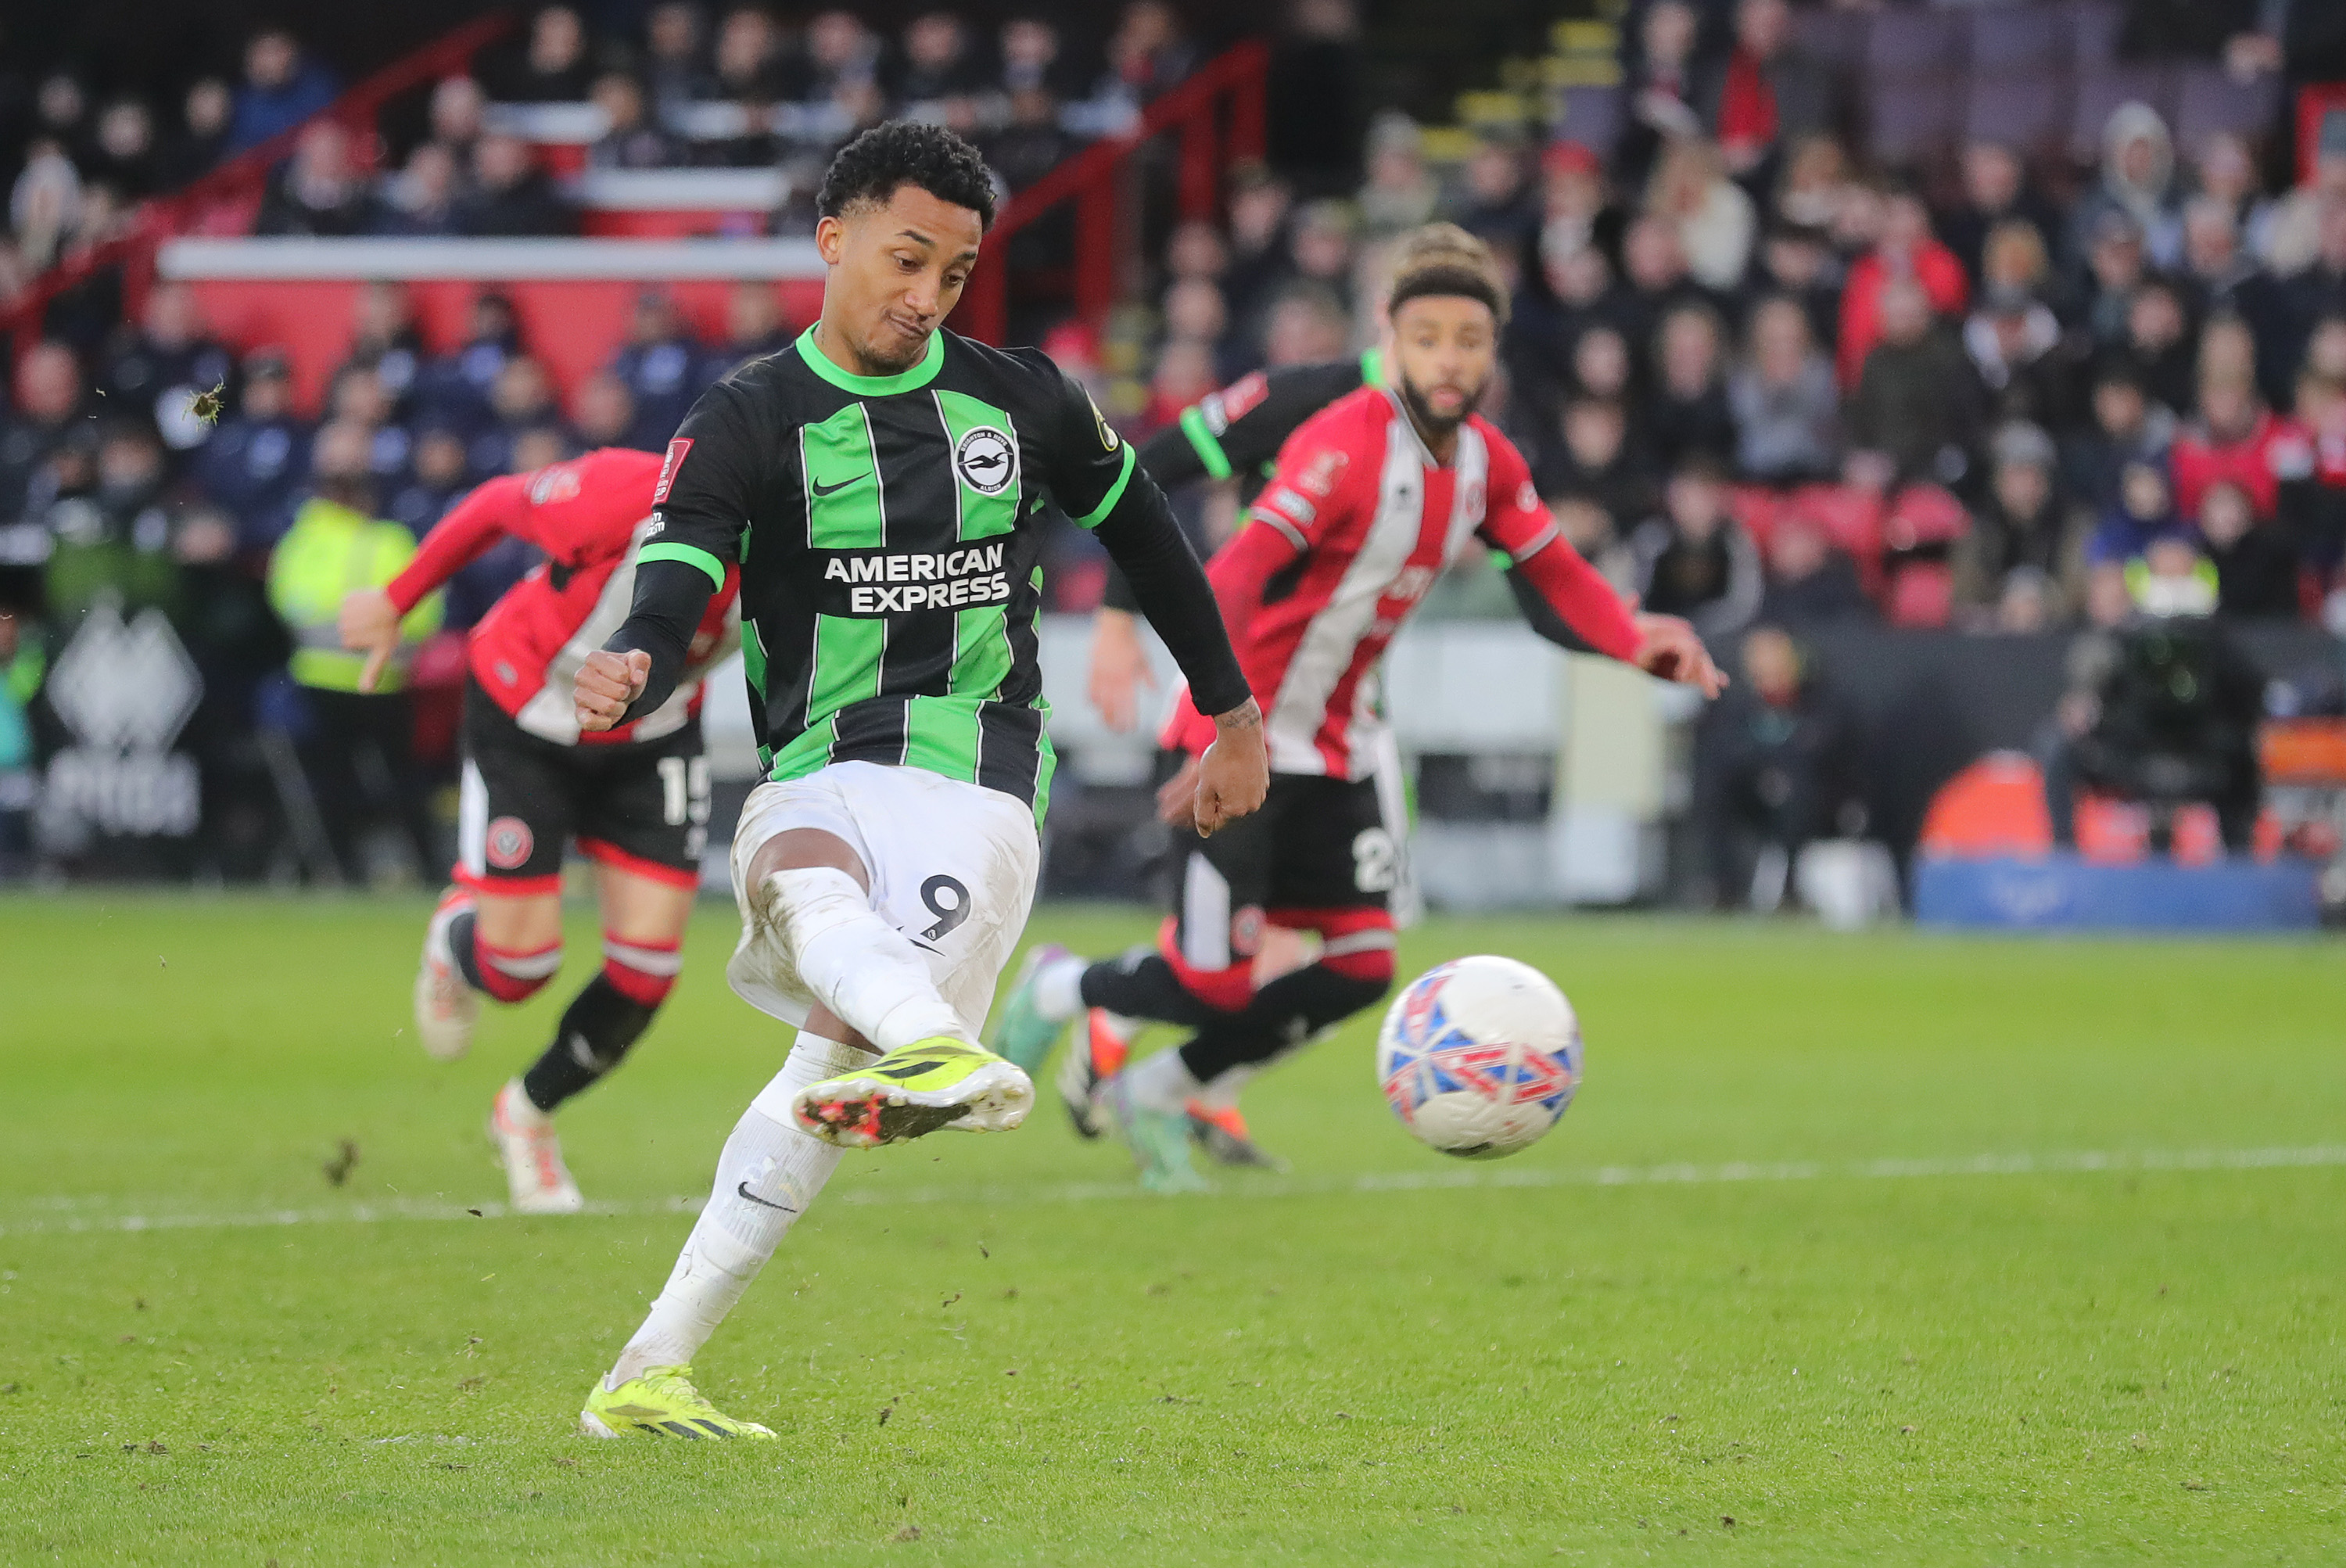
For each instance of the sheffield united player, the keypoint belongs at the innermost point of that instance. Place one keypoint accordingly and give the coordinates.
(1373, 498)
(1235, 433)
(882, 486)
(634, 799)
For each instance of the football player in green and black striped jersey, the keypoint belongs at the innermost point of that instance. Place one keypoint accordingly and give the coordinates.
(881, 485)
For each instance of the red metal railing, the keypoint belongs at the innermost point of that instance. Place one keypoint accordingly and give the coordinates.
(1092, 180)
(239, 183)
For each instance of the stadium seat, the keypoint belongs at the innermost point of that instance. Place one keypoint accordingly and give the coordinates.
(1914, 76)
(1993, 808)
(1755, 508)
(2093, 32)
(1922, 596)
(2208, 101)
(1592, 117)
(1851, 517)
(2025, 113)
(2017, 92)
(1925, 516)
(1833, 35)
(2303, 753)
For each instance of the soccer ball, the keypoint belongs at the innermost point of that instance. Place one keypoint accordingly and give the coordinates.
(1479, 1056)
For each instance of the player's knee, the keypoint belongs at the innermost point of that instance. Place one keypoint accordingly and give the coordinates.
(1218, 973)
(1370, 971)
(1358, 945)
(642, 971)
(514, 974)
(807, 848)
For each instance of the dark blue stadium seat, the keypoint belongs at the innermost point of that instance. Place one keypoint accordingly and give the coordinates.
(1592, 117)
(1833, 35)
(1913, 81)
(2093, 31)
(2018, 92)
(2207, 100)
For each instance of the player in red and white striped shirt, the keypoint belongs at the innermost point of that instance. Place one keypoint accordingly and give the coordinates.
(1373, 499)
(635, 798)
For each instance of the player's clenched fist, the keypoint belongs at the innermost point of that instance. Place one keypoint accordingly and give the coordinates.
(607, 682)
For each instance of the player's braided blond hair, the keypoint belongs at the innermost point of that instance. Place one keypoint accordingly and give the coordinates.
(1443, 259)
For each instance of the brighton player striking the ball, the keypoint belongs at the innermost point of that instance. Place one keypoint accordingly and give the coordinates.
(633, 798)
(879, 487)
(1373, 497)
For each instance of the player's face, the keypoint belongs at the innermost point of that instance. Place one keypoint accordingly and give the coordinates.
(896, 271)
(1445, 347)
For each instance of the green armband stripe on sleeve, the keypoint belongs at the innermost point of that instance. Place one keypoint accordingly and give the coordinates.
(692, 555)
(1091, 519)
(1201, 441)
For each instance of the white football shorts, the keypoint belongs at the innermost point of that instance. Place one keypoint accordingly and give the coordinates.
(952, 867)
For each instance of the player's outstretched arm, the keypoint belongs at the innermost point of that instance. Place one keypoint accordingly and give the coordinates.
(369, 622)
(1576, 600)
(1173, 593)
(1119, 668)
(1670, 650)
(369, 619)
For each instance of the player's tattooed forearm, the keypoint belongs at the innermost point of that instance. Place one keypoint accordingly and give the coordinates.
(1248, 715)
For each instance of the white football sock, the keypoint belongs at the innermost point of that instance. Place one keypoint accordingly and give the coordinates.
(1223, 1094)
(514, 1104)
(768, 1174)
(1059, 988)
(857, 964)
(1162, 1082)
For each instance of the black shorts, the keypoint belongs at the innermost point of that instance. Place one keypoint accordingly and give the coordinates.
(1317, 844)
(642, 806)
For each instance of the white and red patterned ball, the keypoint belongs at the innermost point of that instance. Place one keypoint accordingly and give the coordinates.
(1479, 1056)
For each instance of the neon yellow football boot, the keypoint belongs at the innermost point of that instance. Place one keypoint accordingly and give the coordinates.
(917, 1089)
(662, 1402)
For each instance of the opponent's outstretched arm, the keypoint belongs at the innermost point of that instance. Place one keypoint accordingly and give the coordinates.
(1170, 587)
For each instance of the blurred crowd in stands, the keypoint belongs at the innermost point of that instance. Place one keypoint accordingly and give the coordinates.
(1765, 377)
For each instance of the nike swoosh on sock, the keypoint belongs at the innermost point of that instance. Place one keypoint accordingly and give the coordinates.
(744, 1190)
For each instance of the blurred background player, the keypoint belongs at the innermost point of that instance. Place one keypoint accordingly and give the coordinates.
(1235, 434)
(1372, 499)
(635, 798)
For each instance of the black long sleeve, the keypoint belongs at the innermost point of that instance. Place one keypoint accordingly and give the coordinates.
(1170, 588)
(1234, 434)
(670, 598)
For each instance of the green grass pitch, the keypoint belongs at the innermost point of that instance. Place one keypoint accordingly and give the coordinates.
(1826, 1266)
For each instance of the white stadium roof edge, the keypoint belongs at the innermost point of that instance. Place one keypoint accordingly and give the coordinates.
(535, 261)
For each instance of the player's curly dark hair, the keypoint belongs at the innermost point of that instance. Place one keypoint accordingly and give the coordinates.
(1443, 259)
(898, 153)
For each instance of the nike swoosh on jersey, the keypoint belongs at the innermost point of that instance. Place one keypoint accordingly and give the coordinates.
(744, 1190)
(821, 490)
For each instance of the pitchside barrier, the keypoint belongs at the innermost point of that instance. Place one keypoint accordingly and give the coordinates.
(1542, 778)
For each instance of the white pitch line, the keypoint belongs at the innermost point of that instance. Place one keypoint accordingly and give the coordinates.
(1463, 1177)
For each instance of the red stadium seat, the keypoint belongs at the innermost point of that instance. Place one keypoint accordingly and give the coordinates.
(1755, 508)
(1853, 518)
(1925, 516)
(1992, 809)
(1922, 596)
